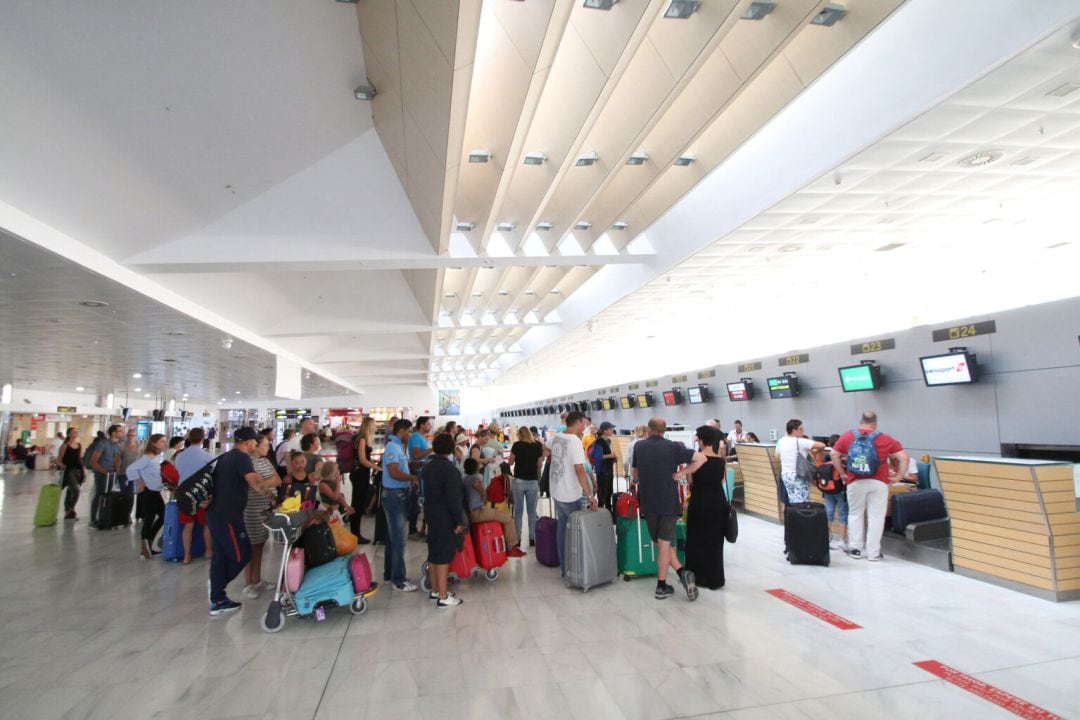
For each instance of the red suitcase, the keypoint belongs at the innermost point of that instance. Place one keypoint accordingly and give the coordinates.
(490, 545)
(464, 561)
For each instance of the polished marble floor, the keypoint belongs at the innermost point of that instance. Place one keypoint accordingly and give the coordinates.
(92, 631)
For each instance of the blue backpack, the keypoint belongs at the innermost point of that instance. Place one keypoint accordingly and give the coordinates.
(596, 456)
(862, 457)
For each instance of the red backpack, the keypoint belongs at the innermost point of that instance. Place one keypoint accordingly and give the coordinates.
(496, 490)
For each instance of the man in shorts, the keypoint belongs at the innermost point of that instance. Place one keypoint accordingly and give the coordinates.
(655, 461)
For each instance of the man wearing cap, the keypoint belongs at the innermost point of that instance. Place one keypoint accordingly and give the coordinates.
(233, 475)
(602, 457)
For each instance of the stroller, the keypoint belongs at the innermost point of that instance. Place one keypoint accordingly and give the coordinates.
(303, 594)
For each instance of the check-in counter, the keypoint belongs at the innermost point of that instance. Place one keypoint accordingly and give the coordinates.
(759, 466)
(1014, 523)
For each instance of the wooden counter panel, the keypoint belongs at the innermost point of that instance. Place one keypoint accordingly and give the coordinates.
(1067, 541)
(1067, 574)
(1065, 524)
(1028, 514)
(1030, 505)
(1036, 537)
(1033, 544)
(1069, 585)
(1003, 572)
(992, 524)
(985, 470)
(972, 482)
(982, 551)
(1063, 496)
(1054, 473)
(1000, 494)
(1068, 559)
(1061, 510)
(1055, 486)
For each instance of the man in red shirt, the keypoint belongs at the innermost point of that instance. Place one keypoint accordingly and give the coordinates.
(862, 456)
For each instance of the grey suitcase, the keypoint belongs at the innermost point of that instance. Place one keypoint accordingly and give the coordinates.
(590, 549)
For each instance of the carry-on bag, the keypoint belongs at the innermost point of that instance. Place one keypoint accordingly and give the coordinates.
(634, 546)
(590, 549)
(489, 544)
(48, 505)
(806, 534)
(319, 545)
(172, 536)
(547, 545)
(106, 511)
(916, 506)
(464, 562)
(360, 567)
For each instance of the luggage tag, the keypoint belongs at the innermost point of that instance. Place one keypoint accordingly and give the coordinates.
(320, 614)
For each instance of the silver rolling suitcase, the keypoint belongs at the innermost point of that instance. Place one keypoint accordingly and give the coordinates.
(590, 549)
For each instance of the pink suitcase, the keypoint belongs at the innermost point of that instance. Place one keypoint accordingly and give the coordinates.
(361, 572)
(294, 569)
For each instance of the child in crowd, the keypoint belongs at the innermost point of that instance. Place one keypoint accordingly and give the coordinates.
(296, 479)
(330, 492)
(497, 493)
(476, 499)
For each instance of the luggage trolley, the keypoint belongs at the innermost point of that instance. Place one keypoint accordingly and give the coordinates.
(329, 585)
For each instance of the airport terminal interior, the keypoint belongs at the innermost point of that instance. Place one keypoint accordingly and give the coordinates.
(624, 239)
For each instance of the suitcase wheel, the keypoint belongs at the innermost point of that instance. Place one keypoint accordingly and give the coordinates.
(492, 574)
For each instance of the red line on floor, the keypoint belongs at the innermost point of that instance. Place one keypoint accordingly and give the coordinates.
(817, 611)
(1013, 704)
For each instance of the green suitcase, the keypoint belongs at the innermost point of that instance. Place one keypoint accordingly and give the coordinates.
(48, 505)
(680, 540)
(634, 548)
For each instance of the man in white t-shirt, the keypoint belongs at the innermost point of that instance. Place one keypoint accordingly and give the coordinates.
(737, 435)
(569, 484)
(789, 447)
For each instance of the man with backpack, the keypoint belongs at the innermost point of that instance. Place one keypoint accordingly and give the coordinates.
(863, 455)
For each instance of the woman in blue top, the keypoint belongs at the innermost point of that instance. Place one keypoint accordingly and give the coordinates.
(145, 472)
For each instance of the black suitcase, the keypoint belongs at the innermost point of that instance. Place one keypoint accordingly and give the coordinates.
(916, 506)
(107, 510)
(806, 534)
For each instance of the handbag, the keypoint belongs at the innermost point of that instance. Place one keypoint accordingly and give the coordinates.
(805, 470)
(731, 529)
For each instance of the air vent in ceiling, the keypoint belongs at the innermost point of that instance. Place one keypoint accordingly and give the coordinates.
(980, 159)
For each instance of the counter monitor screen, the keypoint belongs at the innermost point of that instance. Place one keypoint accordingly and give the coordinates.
(626, 402)
(605, 404)
(952, 369)
(784, 386)
(740, 391)
(672, 397)
(597, 405)
(857, 378)
(645, 400)
(695, 395)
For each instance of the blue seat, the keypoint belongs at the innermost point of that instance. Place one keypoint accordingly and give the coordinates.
(924, 475)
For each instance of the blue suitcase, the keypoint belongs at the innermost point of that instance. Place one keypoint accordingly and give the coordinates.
(172, 536)
(329, 584)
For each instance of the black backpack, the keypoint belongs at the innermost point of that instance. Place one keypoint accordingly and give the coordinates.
(196, 489)
(319, 546)
(828, 479)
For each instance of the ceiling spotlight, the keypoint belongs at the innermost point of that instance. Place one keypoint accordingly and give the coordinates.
(364, 92)
(479, 156)
(583, 225)
(535, 158)
(587, 159)
(599, 4)
(681, 9)
(465, 226)
(505, 227)
(138, 389)
(146, 395)
(544, 225)
(307, 374)
(620, 225)
(136, 375)
(185, 395)
(237, 392)
(758, 10)
(450, 295)
(637, 158)
(221, 400)
(79, 388)
(684, 160)
(829, 15)
(226, 342)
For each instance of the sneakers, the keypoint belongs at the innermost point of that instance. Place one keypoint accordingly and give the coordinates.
(435, 596)
(855, 554)
(225, 606)
(663, 592)
(516, 553)
(407, 587)
(251, 592)
(532, 543)
(875, 558)
(71, 516)
(834, 542)
(361, 540)
(450, 601)
(687, 580)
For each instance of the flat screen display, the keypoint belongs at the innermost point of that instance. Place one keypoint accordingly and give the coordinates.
(695, 395)
(645, 400)
(740, 391)
(784, 386)
(605, 404)
(626, 402)
(672, 397)
(951, 369)
(858, 378)
(597, 405)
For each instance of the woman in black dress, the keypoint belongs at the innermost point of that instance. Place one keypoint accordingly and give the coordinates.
(444, 510)
(706, 515)
(360, 478)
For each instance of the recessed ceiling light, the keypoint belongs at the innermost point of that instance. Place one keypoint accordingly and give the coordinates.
(789, 248)
(981, 158)
(450, 295)
(1025, 160)
(808, 221)
(504, 293)
(478, 293)
(758, 10)
(620, 225)
(505, 227)
(136, 375)
(221, 400)
(146, 395)
(80, 388)
(535, 158)
(587, 159)
(599, 4)
(1057, 245)
(138, 390)
(94, 303)
(890, 246)
(829, 15)
(1063, 90)
(465, 226)
(555, 292)
(684, 160)
(544, 225)
(530, 292)
(184, 395)
(364, 92)
(479, 156)
(583, 225)
(932, 157)
(681, 9)
(637, 158)
(237, 392)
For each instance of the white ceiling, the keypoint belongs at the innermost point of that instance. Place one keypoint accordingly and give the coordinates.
(215, 154)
